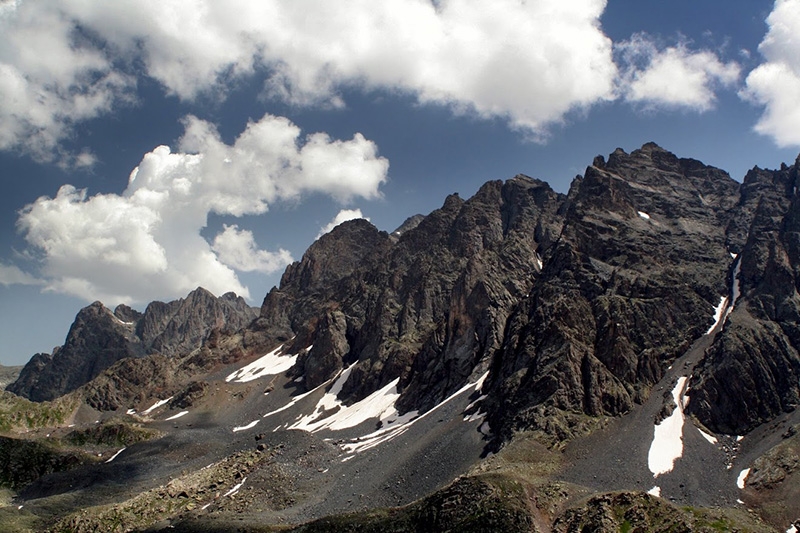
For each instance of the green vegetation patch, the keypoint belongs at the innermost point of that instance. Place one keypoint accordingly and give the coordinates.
(19, 413)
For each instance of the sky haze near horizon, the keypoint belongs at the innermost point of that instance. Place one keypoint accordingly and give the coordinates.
(150, 147)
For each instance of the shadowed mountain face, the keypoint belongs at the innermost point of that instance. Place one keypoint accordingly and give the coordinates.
(98, 338)
(751, 373)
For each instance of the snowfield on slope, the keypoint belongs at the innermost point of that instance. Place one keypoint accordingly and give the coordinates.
(667, 446)
(269, 365)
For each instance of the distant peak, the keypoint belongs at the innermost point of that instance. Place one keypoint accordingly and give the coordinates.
(652, 147)
(200, 291)
(453, 201)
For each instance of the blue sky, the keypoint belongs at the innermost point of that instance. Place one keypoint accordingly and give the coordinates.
(253, 126)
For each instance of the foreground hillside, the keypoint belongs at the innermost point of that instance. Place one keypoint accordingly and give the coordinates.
(521, 360)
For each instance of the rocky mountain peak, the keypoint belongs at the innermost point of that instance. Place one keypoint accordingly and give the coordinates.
(98, 338)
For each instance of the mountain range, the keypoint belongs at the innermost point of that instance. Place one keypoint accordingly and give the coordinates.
(621, 357)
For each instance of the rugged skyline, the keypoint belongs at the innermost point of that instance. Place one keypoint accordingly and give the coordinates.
(254, 128)
(519, 356)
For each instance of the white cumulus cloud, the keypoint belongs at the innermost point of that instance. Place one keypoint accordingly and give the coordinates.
(529, 63)
(673, 77)
(50, 78)
(145, 243)
(237, 248)
(775, 84)
(13, 275)
(342, 216)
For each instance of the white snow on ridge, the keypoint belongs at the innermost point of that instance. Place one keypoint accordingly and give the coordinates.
(268, 365)
(709, 438)
(792, 528)
(173, 417)
(727, 303)
(116, 454)
(719, 310)
(398, 426)
(155, 406)
(379, 404)
(293, 401)
(655, 491)
(740, 481)
(235, 489)
(667, 445)
(481, 381)
(248, 426)
(644, 215)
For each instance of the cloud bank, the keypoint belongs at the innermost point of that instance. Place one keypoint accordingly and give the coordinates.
(13, 275)
(674, 76)
(145, 243)
(528, 63)
(775, 84)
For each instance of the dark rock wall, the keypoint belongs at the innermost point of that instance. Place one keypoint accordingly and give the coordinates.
(752, 371)
(621, 295)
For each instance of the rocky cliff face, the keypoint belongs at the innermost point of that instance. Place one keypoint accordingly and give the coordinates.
(576, 305)
(98, 338)
(752, 371)
(427, 305)
(629, 284)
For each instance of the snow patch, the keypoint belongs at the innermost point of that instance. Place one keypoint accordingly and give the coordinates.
(727, 303)
(130, 412)
(739, 438)
(269, 365)
(379, 404)
(792, 528)
(116, 454)
(292, 402)
(397, 426)
(235, 489)
(667, 445)
(644, 215)
(742, 478)
(173, 417)
(538, 260)
(481, 381)
(155, 406)
(709, 438)
(655, 491)
(719, 310)
(248, 426)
